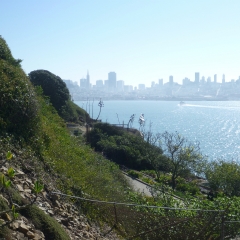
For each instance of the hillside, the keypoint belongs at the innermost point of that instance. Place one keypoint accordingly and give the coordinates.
(44, 152)
(57, 185)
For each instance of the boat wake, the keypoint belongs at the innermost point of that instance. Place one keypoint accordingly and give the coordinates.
(205, 106)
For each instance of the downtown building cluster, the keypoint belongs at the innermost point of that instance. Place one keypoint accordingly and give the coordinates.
(200, 88)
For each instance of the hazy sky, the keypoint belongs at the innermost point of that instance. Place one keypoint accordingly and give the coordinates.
(141, 41)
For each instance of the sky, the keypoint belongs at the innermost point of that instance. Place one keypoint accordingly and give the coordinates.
(141, 40)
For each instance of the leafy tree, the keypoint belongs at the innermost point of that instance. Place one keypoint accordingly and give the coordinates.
(224, 176)
(154, 154)
(183, 156)
(53, 86)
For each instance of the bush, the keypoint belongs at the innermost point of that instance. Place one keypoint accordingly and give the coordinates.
(133, 174)
(70, 112)
(49, 226)
(190, 187)
(53, 87)
(150, 173)
(19, 109)
(122, 147)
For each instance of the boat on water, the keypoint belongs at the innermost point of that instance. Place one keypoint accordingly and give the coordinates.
(182, 103)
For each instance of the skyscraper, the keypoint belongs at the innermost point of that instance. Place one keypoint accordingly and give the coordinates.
(88, 79)
(215, 78)
(197, 77)
(112, 80)
(85, 82)
(120, 85)
(223, 78)
(141, 87)
(171, 79)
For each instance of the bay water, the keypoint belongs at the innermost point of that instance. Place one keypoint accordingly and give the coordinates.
(214, 124)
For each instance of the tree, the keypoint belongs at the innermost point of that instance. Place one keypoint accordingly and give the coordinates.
(53, 87)
(224, 176)
(184, 157)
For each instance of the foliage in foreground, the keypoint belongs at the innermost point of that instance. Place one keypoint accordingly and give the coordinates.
(18, 105)
(48, 225)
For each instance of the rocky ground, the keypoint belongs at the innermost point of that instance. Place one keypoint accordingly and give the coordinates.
(66, 213)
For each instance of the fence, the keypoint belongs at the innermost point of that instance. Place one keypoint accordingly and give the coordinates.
(134, 221)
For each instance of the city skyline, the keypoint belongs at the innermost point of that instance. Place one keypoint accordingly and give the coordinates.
(142, 41)
(198, 78)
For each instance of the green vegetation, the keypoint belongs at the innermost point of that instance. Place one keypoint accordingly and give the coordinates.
(122, 147)
(184, 157)
(54, 87)
(134, 174)
(224, 176)
(49, 226)
(18, 104)
(33, 128)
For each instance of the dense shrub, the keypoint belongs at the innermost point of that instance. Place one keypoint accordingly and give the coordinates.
(134, 174)
(53, 87)
(18, 106)
(49, 226)
(122, 147)
(70, 112)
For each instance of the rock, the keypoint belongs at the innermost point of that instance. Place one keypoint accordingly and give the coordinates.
(19, 173)
(23, 228)
(28, 180)
(57, 204)
(65, 222)
(14, 225)
(3, 169)
(50, 212)
(37, 237)
(70, 218)
(37, 232)
(1, 196)
(27, 190)
(19, 187)
(30, 234)
(55, 197)
(6, 217)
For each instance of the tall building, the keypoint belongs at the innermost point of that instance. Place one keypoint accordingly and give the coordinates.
(99, 83)
(203, 79)
(120, 85)
(160, 82)
(197, 77)
(85, 82)
(128, 88)
(186, 81)
(223, 78)
(171, 79)
(106, 85)
(215, 78)
(141, 87)
(88, 79)
(112, 81)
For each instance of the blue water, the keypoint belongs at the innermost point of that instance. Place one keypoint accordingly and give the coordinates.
(216, 125)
